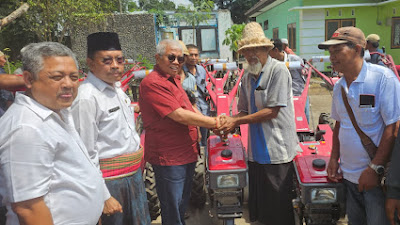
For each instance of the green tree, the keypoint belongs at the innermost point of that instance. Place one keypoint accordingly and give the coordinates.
(233, 35)
(52, 20)
(194, 15)
(237, 7)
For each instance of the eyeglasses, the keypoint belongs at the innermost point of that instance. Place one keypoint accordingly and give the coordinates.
(110, 60)
(172, 58)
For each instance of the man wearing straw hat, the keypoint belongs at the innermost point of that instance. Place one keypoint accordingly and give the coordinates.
(266, 104)
(104, 119)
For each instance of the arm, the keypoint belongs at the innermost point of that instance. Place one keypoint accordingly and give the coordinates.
(229, 123)
(187, 117)
(33, 212)
(369, 178)
(333, 165)
(393, 184)
(84, 114)
(11, 82)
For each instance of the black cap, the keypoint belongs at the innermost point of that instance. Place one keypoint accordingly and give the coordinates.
(102, 41)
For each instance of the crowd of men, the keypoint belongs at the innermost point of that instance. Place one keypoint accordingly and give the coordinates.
(70, 154)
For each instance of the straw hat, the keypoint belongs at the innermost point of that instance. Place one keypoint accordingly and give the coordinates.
(185, 51)
(253, 36)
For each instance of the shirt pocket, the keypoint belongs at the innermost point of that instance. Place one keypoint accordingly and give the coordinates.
(367, 117)
(260, 98)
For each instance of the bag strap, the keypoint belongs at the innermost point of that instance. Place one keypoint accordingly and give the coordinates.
(365, 140)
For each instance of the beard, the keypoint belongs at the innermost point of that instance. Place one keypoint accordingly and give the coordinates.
(254, 66)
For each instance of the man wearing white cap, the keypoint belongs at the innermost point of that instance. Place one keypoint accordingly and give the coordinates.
(266, 104)
(371, 47)
(372, 94)
(286, 48)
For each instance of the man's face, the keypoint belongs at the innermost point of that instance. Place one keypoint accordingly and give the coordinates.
(193, 57)
(342, 57)
(57, 83)
(276, 54)
(108, 66)
(3, 60)
(171, 61)
(256, 58)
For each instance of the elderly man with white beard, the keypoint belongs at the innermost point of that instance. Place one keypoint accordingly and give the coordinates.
(266, 104)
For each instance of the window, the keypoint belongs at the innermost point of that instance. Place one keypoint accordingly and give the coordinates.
(291, 30)
(266, 25)
(205, 37)
(275, 33)
(396, 32)
(332, 25)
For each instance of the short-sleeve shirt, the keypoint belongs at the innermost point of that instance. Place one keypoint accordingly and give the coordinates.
(41, 154)
(200, 76)
(298, 80)
(104, 119)
(372, 115)
(273, 141)
(167, 143)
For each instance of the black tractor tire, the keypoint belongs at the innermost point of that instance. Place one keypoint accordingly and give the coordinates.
(325, 118)
(152, 197)
(198, 194)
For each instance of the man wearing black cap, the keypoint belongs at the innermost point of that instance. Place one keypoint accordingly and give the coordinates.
(104, 120)
(372, 93)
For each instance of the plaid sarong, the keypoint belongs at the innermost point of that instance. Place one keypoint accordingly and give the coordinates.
(121, 166)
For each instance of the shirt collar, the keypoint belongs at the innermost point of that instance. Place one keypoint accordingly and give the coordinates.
(99, 84)
(41, 110)
(164, 75)
(363, 73)
(285, 57)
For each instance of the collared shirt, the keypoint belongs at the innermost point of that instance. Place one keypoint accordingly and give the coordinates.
(167, 142)
(200, 76)
(41, 154)
(372, 116)
(298, 80)
(104, 119)
(273, 141)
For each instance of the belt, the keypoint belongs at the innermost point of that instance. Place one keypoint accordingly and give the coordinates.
(122, 165)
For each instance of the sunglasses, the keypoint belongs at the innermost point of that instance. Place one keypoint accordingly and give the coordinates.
(172, 58)
(110, 60)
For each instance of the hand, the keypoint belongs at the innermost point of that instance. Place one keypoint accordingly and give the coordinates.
(368, 180)
(391, 206)
(227, 124)
(111, 206)
(333, 170)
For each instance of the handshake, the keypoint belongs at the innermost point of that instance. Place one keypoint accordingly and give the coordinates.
(224, 125)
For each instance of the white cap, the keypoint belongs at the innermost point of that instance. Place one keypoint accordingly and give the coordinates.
(285, 41)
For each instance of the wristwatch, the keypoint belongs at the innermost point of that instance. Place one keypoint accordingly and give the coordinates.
(379, 169)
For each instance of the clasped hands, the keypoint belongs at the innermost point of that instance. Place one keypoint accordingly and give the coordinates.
(225, 124)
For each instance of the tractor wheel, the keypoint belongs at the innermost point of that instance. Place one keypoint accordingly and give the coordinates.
(152, 198)
(325, 118)
(198, 194)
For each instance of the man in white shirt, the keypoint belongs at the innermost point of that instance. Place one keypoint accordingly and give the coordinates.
(104, 119)
(46, 173)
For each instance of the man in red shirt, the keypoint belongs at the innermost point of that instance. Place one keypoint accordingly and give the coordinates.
(171, 134)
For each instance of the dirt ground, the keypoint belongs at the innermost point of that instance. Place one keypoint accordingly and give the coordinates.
(320, 102)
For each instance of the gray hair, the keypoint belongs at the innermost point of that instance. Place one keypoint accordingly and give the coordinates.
(33, 55)
(162, 46)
